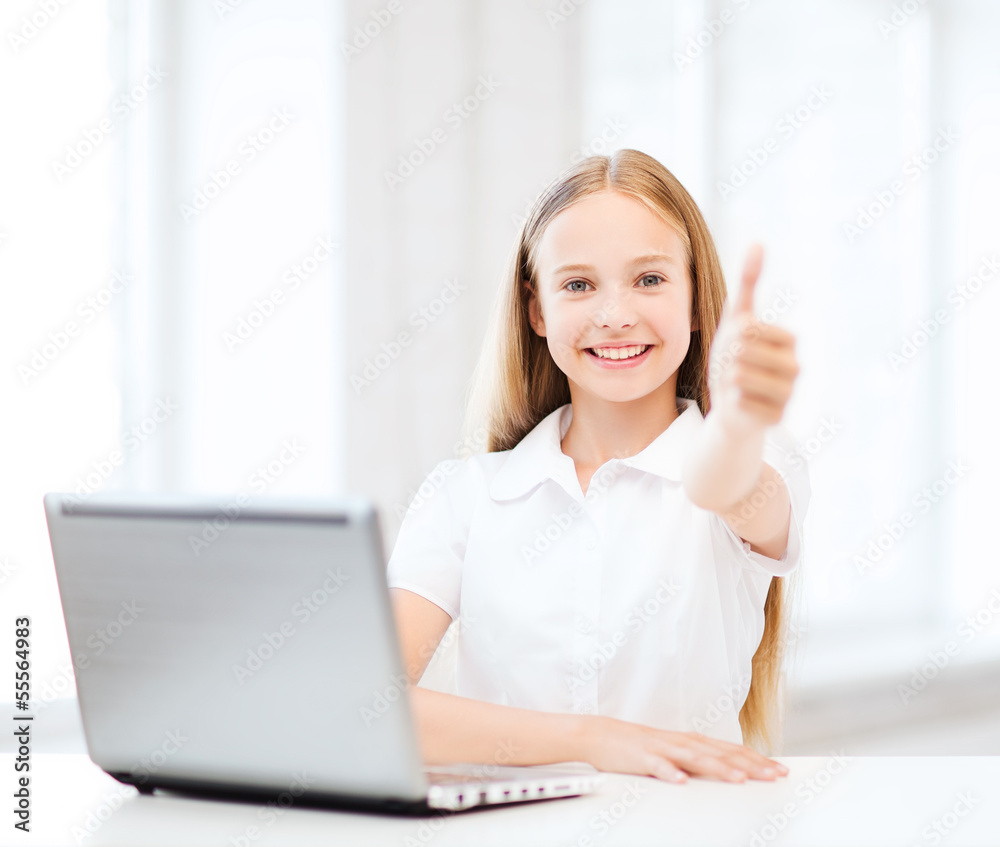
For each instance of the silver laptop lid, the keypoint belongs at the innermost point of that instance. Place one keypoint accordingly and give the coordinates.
(249, 645)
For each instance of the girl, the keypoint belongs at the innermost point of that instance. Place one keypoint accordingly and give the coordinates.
(617, 556)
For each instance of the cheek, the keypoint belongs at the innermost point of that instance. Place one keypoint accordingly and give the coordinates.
(672, 323)
(567, 330)
(561, 347)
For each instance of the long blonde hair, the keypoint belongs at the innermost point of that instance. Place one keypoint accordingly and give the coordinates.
(516, 383)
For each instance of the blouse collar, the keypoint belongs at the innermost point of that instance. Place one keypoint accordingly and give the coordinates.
(538, 456)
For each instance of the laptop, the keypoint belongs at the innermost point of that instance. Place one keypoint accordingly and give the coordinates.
(248, 649)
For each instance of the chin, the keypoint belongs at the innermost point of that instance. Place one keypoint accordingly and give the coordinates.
(616, 394)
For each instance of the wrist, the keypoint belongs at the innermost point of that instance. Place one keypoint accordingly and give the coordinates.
(583, 733)
(732, 423)
(723, 465)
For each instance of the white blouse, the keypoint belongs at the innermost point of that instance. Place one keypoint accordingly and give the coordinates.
(630, 601)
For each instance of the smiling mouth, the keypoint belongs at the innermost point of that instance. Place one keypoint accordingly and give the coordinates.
(618, 353)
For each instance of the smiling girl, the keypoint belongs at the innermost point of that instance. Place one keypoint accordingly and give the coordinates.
(618, 555)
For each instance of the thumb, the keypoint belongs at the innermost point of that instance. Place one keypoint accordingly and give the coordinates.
(751, 271)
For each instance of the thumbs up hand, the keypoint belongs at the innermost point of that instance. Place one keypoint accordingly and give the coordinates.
(752, 365)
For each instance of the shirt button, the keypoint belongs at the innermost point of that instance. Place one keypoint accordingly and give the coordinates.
(585, 626)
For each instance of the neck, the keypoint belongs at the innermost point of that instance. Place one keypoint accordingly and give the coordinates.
(604, 429)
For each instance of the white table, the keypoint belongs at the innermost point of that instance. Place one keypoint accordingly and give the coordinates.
(823, 801)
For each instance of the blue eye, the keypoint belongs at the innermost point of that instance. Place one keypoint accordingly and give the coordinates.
(656, 277)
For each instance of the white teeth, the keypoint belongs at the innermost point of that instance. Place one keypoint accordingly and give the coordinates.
(619, 352)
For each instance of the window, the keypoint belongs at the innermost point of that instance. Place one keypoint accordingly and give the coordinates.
(855, 140)
(173, 187)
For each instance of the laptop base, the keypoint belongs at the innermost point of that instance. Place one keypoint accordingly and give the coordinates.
(197, 789)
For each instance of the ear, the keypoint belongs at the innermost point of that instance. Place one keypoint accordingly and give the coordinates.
(535, 313)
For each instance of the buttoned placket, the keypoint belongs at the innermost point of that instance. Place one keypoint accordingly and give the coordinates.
(588, 659)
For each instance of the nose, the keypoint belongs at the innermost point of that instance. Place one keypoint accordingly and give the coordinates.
(616, 309)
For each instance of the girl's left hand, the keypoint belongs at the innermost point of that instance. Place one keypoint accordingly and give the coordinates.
(752, 365)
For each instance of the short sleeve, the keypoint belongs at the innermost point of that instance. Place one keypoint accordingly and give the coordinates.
(430, 548)
(783, 453)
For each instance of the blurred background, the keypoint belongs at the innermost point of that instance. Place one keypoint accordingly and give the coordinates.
(218, 217)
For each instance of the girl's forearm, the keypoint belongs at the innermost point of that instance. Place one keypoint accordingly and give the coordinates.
(459, 729)
(724, 465)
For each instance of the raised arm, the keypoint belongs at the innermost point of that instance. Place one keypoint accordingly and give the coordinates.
(752, 370)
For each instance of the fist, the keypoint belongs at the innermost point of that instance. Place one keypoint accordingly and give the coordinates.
(752, 366)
